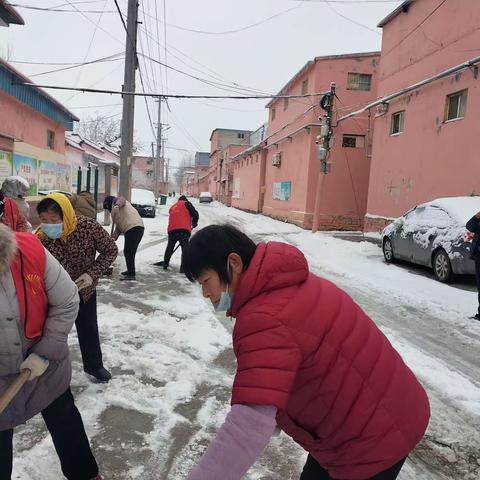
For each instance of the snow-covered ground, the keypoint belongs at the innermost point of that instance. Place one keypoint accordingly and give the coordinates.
(172, 363)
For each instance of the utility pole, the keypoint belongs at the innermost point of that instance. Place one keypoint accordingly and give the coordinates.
(159, 145)
(128, 100)
(324, 142)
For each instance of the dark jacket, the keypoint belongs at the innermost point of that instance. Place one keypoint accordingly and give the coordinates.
(473, 225)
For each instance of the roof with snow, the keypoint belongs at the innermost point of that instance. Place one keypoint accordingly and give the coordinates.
(402, 8)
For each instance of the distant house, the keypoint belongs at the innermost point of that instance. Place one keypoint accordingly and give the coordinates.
(424, 143)
(32, 133)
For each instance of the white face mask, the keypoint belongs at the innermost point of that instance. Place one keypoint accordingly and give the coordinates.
(225, 302)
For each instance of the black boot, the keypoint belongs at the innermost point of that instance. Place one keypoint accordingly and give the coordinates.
(102, 375)
(161, 264)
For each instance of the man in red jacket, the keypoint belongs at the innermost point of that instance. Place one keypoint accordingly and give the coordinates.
(309, 361)
(183, 217)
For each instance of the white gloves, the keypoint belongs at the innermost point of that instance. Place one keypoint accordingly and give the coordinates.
(83, 281)
(36, 364)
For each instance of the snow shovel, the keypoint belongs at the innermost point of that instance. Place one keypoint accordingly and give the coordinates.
(174, 250)
(13, 389)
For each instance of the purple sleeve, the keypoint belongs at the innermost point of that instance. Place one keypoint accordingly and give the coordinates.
(239, 442)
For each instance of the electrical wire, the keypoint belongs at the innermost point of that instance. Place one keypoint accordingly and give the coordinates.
(111, 58)
(351, 20)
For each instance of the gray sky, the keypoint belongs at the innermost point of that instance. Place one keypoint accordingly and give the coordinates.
(263, 58)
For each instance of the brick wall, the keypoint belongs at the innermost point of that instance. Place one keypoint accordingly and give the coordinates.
(376, 224)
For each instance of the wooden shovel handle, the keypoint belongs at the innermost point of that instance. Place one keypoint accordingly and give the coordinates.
(13, 389)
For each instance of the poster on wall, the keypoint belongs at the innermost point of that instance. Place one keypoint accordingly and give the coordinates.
(26, 167)
(282, 190)
(47, 175)
(64, 177)
(5, 165)
(236, 188)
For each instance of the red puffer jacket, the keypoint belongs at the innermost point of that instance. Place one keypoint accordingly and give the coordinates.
(303, 345)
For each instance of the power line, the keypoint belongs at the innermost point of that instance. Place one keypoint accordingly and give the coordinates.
(96, 106)
(163, 95)
(351, 20)
(110, 58)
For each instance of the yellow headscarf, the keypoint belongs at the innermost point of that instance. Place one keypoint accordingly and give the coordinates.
(69, 217)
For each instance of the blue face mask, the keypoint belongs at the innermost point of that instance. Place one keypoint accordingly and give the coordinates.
(52, 230)
(225, 299)
(225, 303)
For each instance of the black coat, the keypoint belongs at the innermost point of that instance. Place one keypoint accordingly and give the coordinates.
(473, 225)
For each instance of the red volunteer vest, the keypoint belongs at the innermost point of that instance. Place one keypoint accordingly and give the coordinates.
(28, 271)
(11, 213)
(180, 218)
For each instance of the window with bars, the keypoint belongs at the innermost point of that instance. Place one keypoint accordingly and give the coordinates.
(50, 139)
(398, 123)
(241, 135)
(305, 87)
(353, 141)
(456, 105)
(359, 81)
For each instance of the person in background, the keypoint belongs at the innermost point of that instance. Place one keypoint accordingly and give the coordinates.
(473, 225)
(10, 213)
(183, 217)
(84, 204)
(126, 221)
(38, 305)
(75, 243)
(309, 361)
(16, 188)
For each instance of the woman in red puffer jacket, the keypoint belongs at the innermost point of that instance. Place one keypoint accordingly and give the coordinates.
(310, 362)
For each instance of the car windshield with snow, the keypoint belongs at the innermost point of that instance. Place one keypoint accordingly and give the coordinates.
(144, 202)
(205, 197)
(434, 235)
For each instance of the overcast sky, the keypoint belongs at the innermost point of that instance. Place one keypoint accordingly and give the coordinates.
(262, 58)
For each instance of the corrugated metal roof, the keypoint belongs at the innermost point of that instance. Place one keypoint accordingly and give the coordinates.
(12, 82)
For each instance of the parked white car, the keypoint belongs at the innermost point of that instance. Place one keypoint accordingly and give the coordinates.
(434, 235)
(144, 202)
(205, 197)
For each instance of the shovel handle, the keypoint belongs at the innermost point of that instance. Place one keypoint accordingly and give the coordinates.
(13, 389)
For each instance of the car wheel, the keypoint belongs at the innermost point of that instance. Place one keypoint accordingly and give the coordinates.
(388, 250)
(442, 268)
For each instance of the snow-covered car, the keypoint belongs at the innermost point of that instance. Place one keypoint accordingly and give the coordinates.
(205, 197)
(144, 202)
(434, 234)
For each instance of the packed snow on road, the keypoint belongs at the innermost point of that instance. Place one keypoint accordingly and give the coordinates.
(172, 363)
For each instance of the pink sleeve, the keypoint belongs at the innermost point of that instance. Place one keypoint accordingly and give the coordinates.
(238, 444)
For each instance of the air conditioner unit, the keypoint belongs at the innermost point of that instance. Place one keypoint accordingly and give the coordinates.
(276, 159)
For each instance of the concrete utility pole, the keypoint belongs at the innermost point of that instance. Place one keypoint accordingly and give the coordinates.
(128, 100)
(324, 142)
(159, 146)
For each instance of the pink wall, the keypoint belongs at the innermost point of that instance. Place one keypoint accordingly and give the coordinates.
(344, 190)
(246, 176)
(27, 125)
(431, 158)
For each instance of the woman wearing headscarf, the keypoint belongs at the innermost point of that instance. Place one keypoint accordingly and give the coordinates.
(75, 243)
(126, 221)
(38, 305)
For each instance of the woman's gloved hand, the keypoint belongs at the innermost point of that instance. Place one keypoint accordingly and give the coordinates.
(83, 281)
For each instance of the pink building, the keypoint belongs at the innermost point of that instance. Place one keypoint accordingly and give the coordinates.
(424, 141)
(224, 145)
(143, 174)
(32, 133)
(292, 168)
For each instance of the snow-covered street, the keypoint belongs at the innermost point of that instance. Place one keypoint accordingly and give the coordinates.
(172, 362)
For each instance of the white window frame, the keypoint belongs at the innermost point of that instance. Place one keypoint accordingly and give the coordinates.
(461, 106)
(401, 115)
(359, 140)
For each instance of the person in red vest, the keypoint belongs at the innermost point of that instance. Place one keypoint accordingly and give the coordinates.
(11, 215)
(183, 218)
(38, 306)
(309, 362)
